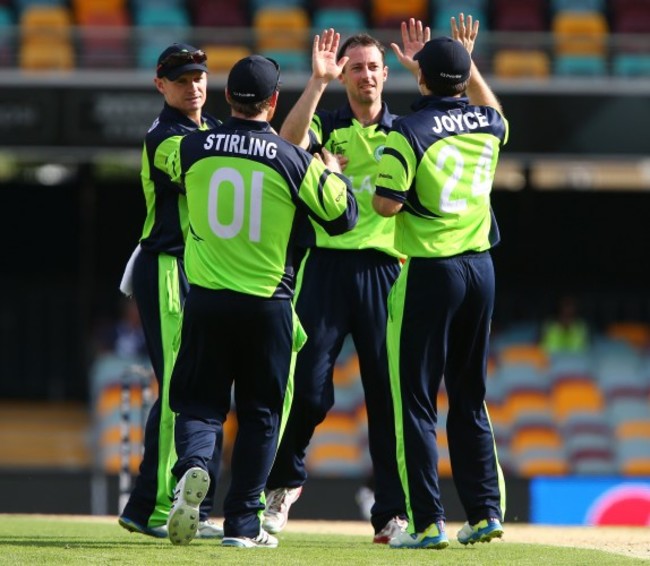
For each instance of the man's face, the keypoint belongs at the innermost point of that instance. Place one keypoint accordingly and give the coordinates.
(364, 74)
(187, 93)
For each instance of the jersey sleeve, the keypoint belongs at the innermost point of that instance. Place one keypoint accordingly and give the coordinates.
(328, 199)
(172, 166)
(166, 153)
(396, 170)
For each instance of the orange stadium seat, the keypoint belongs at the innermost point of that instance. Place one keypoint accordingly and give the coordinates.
(388, 13)
(579, 394)
(82, 9)
(530, 354)
(636, 334)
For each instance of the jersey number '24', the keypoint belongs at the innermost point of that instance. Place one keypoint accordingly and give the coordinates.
(481, 181)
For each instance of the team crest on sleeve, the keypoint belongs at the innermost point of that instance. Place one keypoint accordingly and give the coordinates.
(379, 151)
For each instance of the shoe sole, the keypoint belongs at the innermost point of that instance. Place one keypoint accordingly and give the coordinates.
(183, 520)
(239, 543)
(425, 544)
(135, 528)
(485, 537)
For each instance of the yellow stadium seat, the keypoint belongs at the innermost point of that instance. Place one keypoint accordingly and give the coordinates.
(534, 437)
(45, 22)
(632, 429)
(281, 28)
(523, 402)
(40, 56)
(515, 63)
(580, 33)
(221, 58)
(46, 38)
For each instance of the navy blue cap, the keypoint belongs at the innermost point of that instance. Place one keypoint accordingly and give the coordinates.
(180, 58)
(445, 60)
(253, 79)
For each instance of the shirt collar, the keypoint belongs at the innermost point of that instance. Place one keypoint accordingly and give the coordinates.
(385, 118)
(441, 102)
(171, 114)
(241, 123)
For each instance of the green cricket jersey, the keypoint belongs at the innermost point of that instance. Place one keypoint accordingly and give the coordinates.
(166, 223)
(341, 133)
(247, 189)
(440, 162)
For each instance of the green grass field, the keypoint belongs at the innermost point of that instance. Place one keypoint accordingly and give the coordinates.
(33, 540)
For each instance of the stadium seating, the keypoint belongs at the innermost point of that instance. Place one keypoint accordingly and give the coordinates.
(580, 34)
(344, 20)
(44, 435)
(7, 41)
(518, 63)
(104, 39)
(631, 65)
(578, 6)
(219, 14)
(22, 5)
(573, 394)
(281, 29)
(390, 14)
(158, 28)
(83, 9)
(46, 38)
(514, 15)
(221, 58)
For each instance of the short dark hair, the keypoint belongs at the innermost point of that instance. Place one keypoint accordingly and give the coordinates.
(361, 40)
(250, 109)
(439, 88)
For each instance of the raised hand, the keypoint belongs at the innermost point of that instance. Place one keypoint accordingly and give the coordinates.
(323, 58)
(465, 31)
(414, 36)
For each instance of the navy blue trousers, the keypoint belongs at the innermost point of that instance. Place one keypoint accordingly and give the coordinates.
(439, 327)
(343, 292)
(160, 313)
(228, 339)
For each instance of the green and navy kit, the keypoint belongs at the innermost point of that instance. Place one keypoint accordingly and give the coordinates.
(247, 189)
(340, 132)
(440, 163)
(165, 227)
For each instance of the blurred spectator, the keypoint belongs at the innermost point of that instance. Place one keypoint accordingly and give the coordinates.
(124, 337)
(567, 332)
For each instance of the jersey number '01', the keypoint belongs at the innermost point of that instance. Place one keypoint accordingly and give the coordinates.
(481, 181)
(235, 183)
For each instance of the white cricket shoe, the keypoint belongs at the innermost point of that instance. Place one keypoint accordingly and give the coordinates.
(278, 503)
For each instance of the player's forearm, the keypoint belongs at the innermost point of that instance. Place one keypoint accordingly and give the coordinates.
(295, 127)
(479, 92)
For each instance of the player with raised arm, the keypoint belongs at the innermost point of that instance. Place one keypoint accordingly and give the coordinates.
(345, 280)
(247, 190)
(436, 172)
